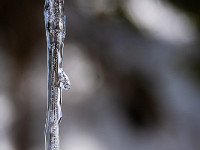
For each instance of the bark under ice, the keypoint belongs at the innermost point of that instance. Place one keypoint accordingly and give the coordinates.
(57, 79)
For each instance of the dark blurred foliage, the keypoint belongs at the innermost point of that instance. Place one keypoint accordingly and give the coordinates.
(21, 30)
(190, 7)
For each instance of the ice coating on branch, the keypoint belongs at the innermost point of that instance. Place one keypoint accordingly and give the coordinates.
(57, 79)
(64, 80)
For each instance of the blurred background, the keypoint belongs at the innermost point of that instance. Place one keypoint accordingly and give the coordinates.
(134, 66)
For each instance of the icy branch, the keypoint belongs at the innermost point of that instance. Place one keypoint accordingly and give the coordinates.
(57, 79)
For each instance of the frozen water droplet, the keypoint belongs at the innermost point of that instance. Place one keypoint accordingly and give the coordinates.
(64, 81)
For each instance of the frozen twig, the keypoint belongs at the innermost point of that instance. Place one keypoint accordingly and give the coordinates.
(57, 79)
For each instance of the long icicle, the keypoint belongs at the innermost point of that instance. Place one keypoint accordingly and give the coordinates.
(57, 79)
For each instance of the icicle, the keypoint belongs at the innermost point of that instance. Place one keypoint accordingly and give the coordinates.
(57, 79)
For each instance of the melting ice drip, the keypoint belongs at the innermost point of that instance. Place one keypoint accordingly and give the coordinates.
(57, 79)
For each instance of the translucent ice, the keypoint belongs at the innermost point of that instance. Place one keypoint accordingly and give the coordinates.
(57, 79)
(64, 80)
